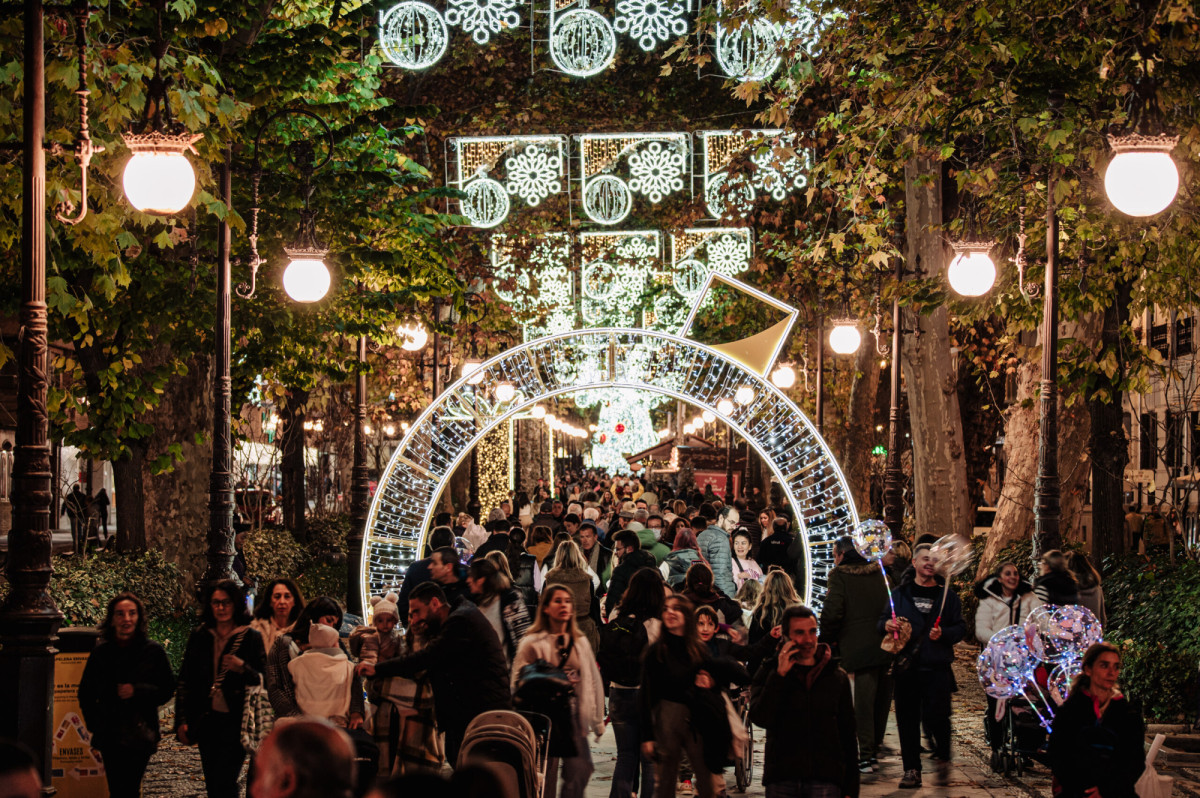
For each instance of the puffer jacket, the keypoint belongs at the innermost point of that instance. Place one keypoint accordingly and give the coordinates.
(675, 567)
(714, 545)
(855, 597)
(653, 545)
(996, 612)
(1056, 587)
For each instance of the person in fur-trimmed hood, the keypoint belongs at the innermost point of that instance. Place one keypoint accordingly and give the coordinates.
(856, 596)
(1005, 599)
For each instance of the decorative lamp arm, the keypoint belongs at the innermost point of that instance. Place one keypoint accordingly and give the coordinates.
(85, 148)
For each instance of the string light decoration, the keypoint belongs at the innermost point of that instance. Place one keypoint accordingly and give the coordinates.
(614, 273)
(582, 41)
(778, 169)
(496, 171)
(653, 22)
(414, 35)
(495, 478)
(607, 358)
(543, 296)
(615, 166)
(751, 50)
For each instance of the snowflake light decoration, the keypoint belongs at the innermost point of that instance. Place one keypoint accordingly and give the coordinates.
(728, 253)
(413, 35)
(582, 42)
(530, 167)
(482, 18)
(656, 171)
(779, 169)
(652, 21)
(544, 297)
(696, 253)
(615, 273)
(533, 174)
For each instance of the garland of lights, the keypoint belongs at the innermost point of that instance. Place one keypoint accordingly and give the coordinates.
(495, 479)
(414, 35)
(616, 166)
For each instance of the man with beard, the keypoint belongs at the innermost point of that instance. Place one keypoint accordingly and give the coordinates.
(463, 661)
(598, 556)
(804, 702)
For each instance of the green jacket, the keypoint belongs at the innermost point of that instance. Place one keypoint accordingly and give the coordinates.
(856, 596)
(659, 549)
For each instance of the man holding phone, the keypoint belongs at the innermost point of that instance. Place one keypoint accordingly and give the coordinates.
(804, 702)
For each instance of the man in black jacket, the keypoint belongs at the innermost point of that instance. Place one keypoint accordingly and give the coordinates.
(463, 661)
(924, 682)
(773, 549)
(419, 572)
(627, 549)
(804, 702)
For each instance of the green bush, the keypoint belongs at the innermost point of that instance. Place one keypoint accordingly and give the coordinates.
(324, 579)
(271, 551)
(327, 536)
(319, 567)
(1152, 617)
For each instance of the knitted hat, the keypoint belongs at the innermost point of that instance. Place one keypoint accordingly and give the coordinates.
(384, 605)
(322, 636)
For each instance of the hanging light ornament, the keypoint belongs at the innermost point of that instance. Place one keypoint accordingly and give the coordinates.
(972, 271)
(725, 407)
(1141, 179)
(158, 178)
(844, 338)
(413, 335)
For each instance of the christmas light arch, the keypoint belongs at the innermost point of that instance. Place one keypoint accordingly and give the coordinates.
(563, 364)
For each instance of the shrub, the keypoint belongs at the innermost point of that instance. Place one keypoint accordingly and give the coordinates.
(271, 551)
(324, 579)
(327, 536)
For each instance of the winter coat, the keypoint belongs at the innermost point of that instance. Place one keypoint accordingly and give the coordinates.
(498, 541)
(856, 596)
(1056, 587)
(281, 687)
(675, 567)
(599, 559)
(653, 545)
(589, 691)
(714, 545)
(325, 681)
(523, 580)
(1093, 598)
(514, 616)
(996, 612)
(580, 585)
(729, 611)
(621, 575)
(747, 565)
(929, 654)
(126, 723)
(1087, 752)
(811, 734)
(416, 574)
(465, 665)
(193, 696)
(773, 550)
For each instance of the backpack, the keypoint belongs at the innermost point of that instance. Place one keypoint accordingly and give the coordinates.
(622, 641)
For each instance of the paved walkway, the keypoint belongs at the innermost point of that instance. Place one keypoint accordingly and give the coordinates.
(175, 770)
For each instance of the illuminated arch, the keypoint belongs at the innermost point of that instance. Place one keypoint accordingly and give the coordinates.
(597, 358)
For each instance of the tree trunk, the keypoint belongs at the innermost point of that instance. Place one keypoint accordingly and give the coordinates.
(129, 488)
(1108, 447)
(1014, 516)
(859, 435)
(177, 500)
(291, 464)
(939, 463)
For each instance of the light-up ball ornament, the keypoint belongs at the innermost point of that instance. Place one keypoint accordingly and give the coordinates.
(1006, 664)
(953, 554)
(413, 337)
(844, 338)
(725, 407)
(159, 182)
(538, 411)
(872, 539)
(1141, 179)
(582, 43)
(972, 271)
(708, 416)
(744, 395)
(750, 51)
(784, 377)
(306, 279)
(486, 203)
(413, 35)
(505, 392)
(619, 428)
(607, 199)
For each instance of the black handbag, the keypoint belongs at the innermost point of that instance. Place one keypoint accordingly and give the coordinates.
(547, 690)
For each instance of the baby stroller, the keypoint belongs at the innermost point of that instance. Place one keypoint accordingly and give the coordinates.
(743, 769)
(1022, 737)
(514, 745)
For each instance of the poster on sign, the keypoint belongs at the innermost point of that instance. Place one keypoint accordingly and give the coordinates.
(76, 768)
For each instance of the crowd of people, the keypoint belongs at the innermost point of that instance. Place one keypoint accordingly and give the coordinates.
(660, 613)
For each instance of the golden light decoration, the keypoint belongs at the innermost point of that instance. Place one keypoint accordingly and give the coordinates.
(494, 477)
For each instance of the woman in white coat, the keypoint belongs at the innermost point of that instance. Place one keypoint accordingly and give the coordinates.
(1005, 599)
(552, 635)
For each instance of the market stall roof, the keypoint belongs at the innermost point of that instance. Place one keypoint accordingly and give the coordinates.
(662, 449)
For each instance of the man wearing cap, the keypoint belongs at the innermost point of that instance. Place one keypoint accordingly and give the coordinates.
(547, 518)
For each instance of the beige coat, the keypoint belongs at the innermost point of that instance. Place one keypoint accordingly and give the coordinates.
(589, 690)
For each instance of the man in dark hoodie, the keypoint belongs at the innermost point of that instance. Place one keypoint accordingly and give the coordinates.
(627, 550)
(924, 680)
(856, 595)
(803, 701)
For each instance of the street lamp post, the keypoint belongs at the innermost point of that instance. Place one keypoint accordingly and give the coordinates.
(1047, 510)
(359, 487)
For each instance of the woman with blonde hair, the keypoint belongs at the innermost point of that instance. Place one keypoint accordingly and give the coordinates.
(556, 638)
(1097, 742)
(778, 594)
(570, 570)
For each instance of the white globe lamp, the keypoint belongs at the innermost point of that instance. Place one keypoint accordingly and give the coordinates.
(158, 178)
(538, 411)
(413, 337)
(306, 278)
(784, 376)
(972, 271)
(725, 407)
(708, 416)
(1141, 179)
(844, 338)
(505, 392)
(744, 395)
